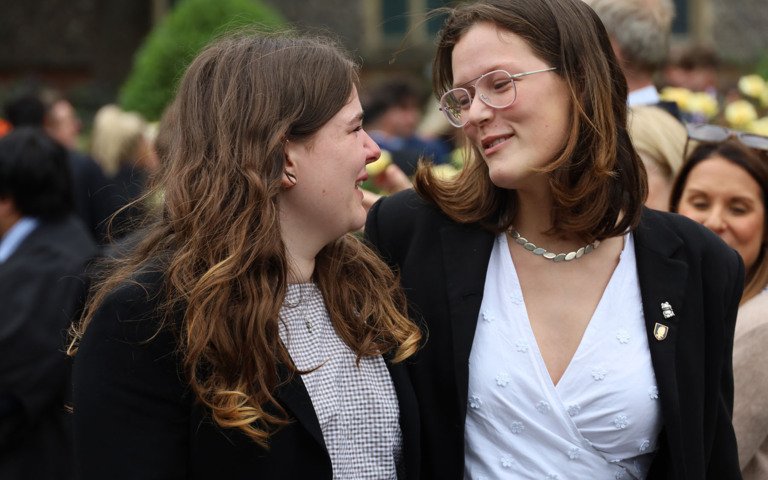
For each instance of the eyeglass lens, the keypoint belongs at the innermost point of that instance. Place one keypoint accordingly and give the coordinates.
(496, 89)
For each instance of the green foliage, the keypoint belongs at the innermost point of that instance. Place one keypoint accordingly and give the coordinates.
(171, 46)
(762, 65)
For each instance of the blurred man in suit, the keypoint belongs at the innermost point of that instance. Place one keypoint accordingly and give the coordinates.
(44, 250)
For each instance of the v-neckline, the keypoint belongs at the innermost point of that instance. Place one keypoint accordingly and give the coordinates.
(509, 274)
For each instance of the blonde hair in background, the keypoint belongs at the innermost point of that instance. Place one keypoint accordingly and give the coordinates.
(660, 139)
(117, 138)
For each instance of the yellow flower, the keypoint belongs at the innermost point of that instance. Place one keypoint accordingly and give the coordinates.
(764, 98)
(752, 85)
(678, 95)
(703, 103)
(375, 168)
(759, 126)
(739, 113)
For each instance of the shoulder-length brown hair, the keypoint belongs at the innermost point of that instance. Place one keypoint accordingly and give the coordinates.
(755, 163)
(218, 240)
(598, 181)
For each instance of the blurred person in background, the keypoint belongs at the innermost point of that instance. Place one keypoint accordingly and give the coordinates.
(44, 250)
(724, 186)
(57, 116)
(694, 67)
(640, 33)
(61, 121)
(122, 145)
(393, 111)
(659, 139)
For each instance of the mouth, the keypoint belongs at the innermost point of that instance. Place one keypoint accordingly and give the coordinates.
(492, 144)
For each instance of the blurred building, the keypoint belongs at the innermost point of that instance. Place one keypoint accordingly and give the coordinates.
(86, 47)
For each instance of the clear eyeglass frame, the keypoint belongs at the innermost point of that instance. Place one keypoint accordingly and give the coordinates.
(497, 89)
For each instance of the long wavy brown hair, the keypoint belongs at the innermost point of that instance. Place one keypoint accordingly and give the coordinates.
(217, 240)
(598, 181)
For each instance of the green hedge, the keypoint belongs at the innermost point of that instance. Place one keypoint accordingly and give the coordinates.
(170, 47)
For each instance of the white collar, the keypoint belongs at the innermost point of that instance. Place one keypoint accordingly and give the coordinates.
(643, 96)
(15, 235)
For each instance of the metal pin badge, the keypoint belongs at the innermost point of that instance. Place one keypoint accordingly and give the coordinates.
(666, 310)
(660, 331)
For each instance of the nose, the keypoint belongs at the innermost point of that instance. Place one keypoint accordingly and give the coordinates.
(479, 112)
(715, 221)
(373, 152)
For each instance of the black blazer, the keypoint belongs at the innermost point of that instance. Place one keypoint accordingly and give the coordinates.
(135, 417)
(42, 289)
(443, 266)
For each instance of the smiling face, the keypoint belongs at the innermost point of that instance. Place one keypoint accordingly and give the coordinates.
(529, 133)
(726, 199)
(329, 167)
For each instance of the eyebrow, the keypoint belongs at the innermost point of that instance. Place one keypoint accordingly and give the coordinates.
(472, 80)
(356, 119)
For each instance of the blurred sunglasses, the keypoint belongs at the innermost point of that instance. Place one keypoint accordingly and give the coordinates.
(715, 134)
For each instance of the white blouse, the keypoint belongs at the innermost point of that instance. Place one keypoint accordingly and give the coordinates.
(601, 420)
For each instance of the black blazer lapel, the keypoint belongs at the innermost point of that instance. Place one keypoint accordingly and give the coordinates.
(466, 252)
(662, 278)
(296, 399)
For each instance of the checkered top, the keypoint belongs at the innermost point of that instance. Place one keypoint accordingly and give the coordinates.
(356, 405)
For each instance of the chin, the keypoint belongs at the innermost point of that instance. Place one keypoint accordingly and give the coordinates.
(504, 180)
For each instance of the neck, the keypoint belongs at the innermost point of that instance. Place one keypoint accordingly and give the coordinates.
(638, 80)
(534, 220)
(301, 248)
(533, 211)
(301, 259)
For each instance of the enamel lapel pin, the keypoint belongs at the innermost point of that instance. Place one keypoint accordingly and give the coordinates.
(660, 330)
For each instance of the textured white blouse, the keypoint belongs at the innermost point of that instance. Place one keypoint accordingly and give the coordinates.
(601, 420)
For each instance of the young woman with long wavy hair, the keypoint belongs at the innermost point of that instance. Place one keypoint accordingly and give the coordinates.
(249, 334)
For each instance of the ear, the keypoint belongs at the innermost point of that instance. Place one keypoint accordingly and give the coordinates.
(290, 153)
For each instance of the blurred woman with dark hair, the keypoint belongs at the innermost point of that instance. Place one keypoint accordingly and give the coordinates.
(724, 186)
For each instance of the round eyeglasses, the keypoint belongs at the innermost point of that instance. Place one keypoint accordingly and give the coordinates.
(496, 89)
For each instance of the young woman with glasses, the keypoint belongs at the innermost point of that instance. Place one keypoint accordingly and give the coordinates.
(724, 186)
(571, 332)
(249, 334)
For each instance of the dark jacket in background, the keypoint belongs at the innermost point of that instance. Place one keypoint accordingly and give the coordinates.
(42, 288)
(94, 202)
